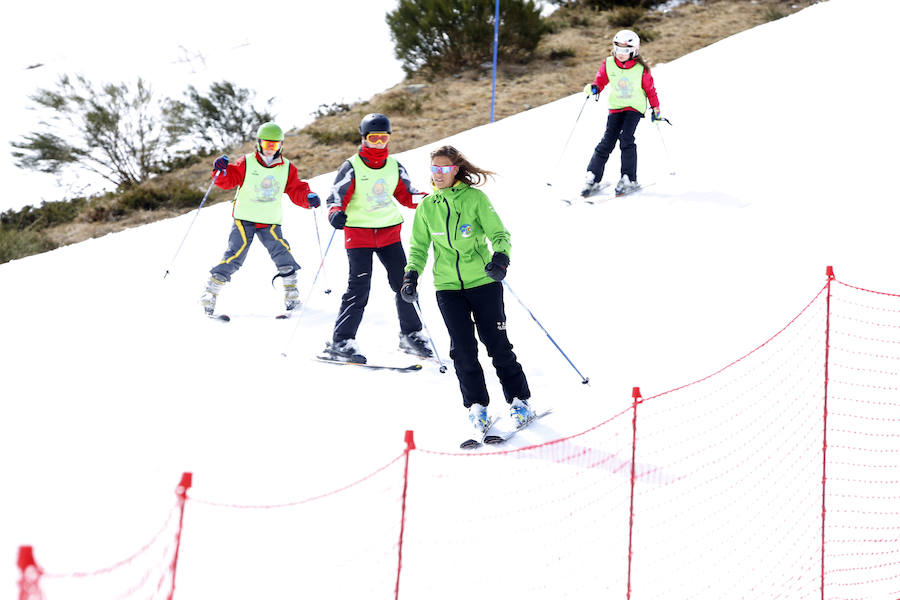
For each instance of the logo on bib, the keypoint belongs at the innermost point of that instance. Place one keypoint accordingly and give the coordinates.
(624, 88)
(267, 191)
(465, 230)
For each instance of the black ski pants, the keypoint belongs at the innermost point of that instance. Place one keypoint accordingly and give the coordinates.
(481, 308)
(620, 126)
(353, 302)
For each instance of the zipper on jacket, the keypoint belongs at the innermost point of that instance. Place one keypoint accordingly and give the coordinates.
(450, 243)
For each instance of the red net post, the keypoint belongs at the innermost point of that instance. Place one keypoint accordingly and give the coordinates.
(29, 582)
(184, 485)
(635, 396)
(829, 273)
(410, 441)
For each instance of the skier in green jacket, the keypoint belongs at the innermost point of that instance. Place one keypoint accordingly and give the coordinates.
(459, 220)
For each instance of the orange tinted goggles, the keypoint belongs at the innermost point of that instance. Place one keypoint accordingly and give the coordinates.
(270, 145)
(378, 138)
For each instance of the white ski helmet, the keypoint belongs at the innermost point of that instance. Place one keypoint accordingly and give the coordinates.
(627, 39)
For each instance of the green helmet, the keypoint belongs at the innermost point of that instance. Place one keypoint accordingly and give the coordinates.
(270, 131)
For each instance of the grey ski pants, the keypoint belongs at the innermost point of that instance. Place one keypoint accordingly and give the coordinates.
(242, 234)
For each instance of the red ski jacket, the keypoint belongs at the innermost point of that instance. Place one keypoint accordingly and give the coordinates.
(295, 188)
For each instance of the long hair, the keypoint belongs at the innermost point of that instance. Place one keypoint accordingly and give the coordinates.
(467, 173)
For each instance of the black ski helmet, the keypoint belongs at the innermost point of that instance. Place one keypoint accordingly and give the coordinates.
(374, 122)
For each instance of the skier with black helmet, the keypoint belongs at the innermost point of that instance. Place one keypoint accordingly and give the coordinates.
(631, 89)
(262, 178)
(362, 202)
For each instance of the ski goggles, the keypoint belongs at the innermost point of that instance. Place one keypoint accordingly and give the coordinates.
(273, 145)
(378, 138)
(442, 168)
(623, 49)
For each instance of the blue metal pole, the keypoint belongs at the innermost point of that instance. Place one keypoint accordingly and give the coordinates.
(496, 38)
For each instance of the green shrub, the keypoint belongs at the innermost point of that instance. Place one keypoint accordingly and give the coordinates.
(772, 14)
(625, 16)
(19, 244)
(646, 35)
(184, 196)
(401, 102)
(558, 53)
(141, 198)
(174, 195)
(443, 36)
(47, 215)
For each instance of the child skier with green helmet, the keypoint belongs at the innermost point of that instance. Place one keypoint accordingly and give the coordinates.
(262, 178)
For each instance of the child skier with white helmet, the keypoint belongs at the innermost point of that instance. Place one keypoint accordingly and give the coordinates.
(262, 178)
(631, 89)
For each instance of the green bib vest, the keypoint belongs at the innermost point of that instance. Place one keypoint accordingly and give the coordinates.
(259, 197)
(372, 203)
(625, 90)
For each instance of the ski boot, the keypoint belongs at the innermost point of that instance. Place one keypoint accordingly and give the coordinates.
(415, 343)
(520, 412)
(478, 417)
(591, 186)
(208, 299)
(291, 293)
(345, 350)
(626, 186)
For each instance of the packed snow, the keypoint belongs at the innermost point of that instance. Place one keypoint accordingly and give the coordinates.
(115, 383)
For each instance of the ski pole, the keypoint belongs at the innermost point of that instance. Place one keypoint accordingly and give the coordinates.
(665, 148)
(583, 378)
(568, 139)
(202, 202)
(443, 368)
(321, 255)
(308, 295)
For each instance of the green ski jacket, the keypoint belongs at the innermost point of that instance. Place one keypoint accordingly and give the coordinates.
(457, 221)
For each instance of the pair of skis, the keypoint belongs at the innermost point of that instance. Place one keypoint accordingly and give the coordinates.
(227, 319)
(365, 365)
(599, 196)
(488, 438)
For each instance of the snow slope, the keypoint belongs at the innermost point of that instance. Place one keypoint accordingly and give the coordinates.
(113, 382)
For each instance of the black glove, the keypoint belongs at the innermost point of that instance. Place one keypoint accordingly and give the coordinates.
(408, 289)
(496, 269)
(221, 163)
(337, 219)
(313, 200)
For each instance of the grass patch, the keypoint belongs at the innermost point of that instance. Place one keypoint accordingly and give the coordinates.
(19, 244)
(771, 13)
(560, 53)
(401, 102)
(332, 135)
(626, 16)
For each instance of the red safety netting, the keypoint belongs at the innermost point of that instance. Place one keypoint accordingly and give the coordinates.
(147, 573)
(862, 490)
(773, 477)
(339, 543)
